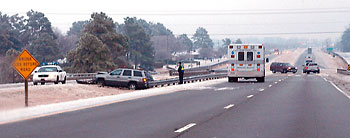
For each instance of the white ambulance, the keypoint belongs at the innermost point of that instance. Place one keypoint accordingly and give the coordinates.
(246, 61)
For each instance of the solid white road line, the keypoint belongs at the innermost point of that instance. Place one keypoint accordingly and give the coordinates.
(250, 96)
(325, 79)
(270, 85)
(335, 86)
(229, 106)
(185, 127)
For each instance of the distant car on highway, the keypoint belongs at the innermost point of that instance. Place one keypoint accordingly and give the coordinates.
(49, 73)
(311, 67)
(131, 78)
(282, 67)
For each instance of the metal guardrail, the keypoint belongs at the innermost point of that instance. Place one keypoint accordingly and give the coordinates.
(343, 71)
(174, 81)
(76, 76)
(341, 57)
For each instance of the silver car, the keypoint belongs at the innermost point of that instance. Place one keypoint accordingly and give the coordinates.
(131, 78)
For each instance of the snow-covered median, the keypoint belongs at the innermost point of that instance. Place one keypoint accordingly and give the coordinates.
(42, 110)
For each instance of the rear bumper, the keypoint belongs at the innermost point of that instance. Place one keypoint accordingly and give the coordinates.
(246, 74)
(292, 70)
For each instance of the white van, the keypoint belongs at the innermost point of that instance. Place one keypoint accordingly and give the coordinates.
(246, 61)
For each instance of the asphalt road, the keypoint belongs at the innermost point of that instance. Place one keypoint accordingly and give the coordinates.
(286, 105)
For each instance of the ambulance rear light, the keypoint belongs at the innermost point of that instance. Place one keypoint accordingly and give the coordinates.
(232, 64)
(232, 56)
(240, 64)
(249, 65)
(258, 69)
(245, 46)
(231, 46)
(232, 69)
(257, 56)
(260, 47)
(258, 64)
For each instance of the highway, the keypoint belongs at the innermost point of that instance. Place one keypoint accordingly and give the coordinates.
(286, 105)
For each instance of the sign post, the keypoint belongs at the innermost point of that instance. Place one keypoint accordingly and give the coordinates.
(25, 65)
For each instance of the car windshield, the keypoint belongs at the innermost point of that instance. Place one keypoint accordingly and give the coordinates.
(48, 69)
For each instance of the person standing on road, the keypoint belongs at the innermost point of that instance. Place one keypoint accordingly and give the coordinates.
(181, 71)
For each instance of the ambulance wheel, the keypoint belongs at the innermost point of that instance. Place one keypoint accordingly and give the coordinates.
(260, 79)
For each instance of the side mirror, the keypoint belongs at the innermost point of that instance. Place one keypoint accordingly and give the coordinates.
(59, 71)
(267, 60)
(35, 71)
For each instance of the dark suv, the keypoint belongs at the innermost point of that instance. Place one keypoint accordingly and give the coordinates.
(282, 67)
(131, 78)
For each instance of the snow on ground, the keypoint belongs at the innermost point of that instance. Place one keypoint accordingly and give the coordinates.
(42, 110)
(11, 98)
(288, 56)
(329, 65)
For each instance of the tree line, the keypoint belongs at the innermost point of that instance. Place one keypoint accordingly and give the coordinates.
(97, 44)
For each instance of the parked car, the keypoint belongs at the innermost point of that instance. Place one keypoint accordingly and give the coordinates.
(131, 78)
(282, 67)
(49, 73)
(311, 67)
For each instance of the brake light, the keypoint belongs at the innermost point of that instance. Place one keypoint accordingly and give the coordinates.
(260, 47)
(232, 69)
(289, 68)
(232, 56)
(305, 67)
(232, 64)
(258, 65)
(258, 69)
(231, 47)
(144, 80)
(249, 65)
(257, 56)
(240, 64)
(245, 47)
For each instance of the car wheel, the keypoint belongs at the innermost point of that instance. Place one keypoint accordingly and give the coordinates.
(261, 79)
(35, 83)
(294, 72)
(308, 72)
(273, 71)
(132, 86)
(43, 83)
(64, 81)
(101, 82)
(57, 80)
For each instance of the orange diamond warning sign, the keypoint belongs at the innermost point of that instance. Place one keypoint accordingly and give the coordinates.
(25, 64)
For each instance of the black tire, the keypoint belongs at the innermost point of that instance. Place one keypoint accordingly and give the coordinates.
(308, 72)
(57, 80)
(101, 82)
(35, 83)
(318, 72)
(273, 71)
(284, 71)
(234, 79)
(294, 72)
(230, 79)
(64, 81)
(132, 86)
(43, 83)
(260, 79)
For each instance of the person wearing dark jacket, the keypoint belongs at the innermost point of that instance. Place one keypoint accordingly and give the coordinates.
(181, 71)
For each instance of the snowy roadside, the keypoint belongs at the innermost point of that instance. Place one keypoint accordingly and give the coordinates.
(329, 65)
(56, 108)
(288, 57)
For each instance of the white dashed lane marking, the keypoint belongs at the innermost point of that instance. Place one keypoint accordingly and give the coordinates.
(276, 82)
(270, 85)
(229, 106)
(185, 127)
(261, 89)
(250, 96)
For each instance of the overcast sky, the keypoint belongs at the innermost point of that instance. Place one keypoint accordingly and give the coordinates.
(222, 18)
